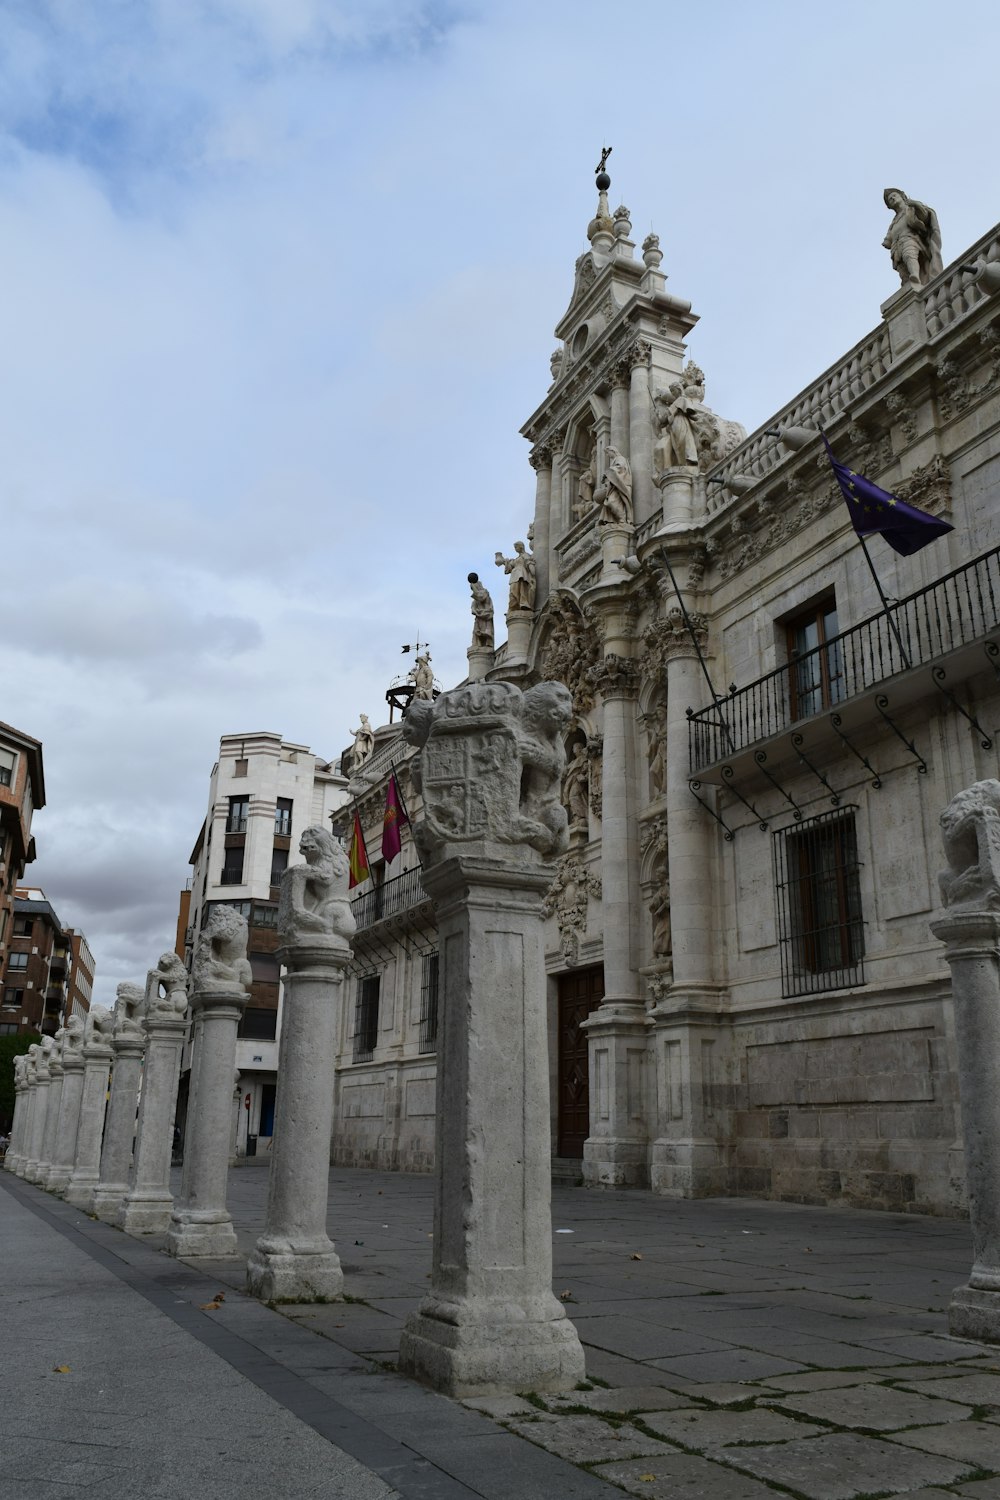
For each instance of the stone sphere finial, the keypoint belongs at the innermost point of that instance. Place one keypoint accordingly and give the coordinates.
(473, 577)
(603, 182)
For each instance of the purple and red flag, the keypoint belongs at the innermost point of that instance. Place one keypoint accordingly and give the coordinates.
(392, 821)
(357, 855)
(905, 527)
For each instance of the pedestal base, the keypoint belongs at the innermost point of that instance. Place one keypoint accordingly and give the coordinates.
(295, 1276)
(105, 1202)
(974, 1314)
(150, 1215)
(190, 1236)
(491, 1356)
(58, 1179)
(80, 1191)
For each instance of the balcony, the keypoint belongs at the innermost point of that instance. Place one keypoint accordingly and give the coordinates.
(391, 899)
(230, 876)
(950, 618)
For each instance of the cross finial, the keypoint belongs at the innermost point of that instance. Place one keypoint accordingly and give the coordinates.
(605, 153)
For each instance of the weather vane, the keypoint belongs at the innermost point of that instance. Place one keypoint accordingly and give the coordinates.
(416, 645)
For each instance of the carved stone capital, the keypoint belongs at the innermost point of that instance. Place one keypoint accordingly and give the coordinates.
(670, 637)
(638, 353)
(616, 677)
(540, 456)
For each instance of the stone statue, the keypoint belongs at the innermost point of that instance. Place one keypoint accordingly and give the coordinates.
(913, 239)
(521, 570)
(314, 899)
(167, 987)
(73, 1034)
(99, 1024)
(482, 614)
(421, 676)
(220, 957)
(585, 487)
(659, 909)
(130, 1003)
(692, 436)
(576, 785)
(658, 753)
(556, 364)
(364, 743)
(615, 493)
(491, 766)
(970, 831)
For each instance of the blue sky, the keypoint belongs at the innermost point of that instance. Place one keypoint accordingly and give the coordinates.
(280, 279)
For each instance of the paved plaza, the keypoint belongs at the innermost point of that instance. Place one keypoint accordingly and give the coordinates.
(736, 1350)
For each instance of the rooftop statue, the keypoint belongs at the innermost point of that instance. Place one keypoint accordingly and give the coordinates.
(913, 239)
(692, 436)
(482, 614)
(421, 676)
(314, 899)
(220, 958)
(521, 570)
(364, 743)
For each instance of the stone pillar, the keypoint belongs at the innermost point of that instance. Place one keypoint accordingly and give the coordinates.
(295, 1260)
(691, 1040)
(970, 931)
(40, 1103)
(86, 1171)
(128, 1042)
(491, 771)
(616, 543)
(68, 1124)
(15, 1148)
(541, 462)
(44, 1165)
(640, 429)
(677, 488)
(28, 1126)
(220, 979)
(620, 378)
(614, 1154)
(192, 1107)
(147, 1206)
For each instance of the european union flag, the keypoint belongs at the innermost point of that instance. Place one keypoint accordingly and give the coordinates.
(905, 527)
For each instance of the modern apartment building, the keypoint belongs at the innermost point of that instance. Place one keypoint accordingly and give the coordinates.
(22, 792)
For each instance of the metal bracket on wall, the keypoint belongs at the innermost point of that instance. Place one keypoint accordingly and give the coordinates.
(992, 652)
(939, 675)
(836, 721)
(693, 788)
(727, 772)
(798, 741)
(761, 758)
(882, 703)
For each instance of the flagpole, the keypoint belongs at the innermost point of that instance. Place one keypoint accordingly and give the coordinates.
(885, 603)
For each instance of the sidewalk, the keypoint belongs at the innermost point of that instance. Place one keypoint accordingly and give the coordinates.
(736, 1350)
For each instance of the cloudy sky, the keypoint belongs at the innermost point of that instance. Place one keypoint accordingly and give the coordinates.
(279, 279)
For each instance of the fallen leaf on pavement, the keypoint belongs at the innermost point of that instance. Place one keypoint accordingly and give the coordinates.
(635, 1255)
(60, 1369)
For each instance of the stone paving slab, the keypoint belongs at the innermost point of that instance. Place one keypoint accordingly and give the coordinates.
(981, 1389)
(876, 1408)
(843, 1465)
(714, 1432)
(682, 1475)
(729, 1364)
(977, 1443)
(584, 1440)
(625, 1399)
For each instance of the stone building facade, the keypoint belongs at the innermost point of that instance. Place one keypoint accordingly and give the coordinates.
(34, 984)
(744, 993)
(264, 792)
(22, 792)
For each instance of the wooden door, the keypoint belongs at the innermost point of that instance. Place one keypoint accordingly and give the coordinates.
(580, 992)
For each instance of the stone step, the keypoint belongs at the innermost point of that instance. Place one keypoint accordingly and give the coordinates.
(567, 1171)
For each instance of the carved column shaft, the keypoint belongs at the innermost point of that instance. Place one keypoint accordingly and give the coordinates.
(641, 442)
(119, 1128)
(15, 1150)
(87, 1161)
(51, 1118)
(543, 524)
(147, 1206)
(40, 1103)
(690, 833)
(70, 1097)
(619, 416)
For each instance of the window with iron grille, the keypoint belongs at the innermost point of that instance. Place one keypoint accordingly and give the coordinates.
(239, 812)
(232, 868)
(821, 930)
(283, 816)
(429, 1004)
(366, 1019)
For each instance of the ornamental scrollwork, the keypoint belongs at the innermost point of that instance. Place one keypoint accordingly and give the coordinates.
(567, 901)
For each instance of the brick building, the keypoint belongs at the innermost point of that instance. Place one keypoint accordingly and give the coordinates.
(22, 791)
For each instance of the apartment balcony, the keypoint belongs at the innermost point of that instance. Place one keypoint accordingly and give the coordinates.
(398, 905)
(927, 643)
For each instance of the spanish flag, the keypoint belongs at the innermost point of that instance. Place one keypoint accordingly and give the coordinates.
(357, 856)
(392, 821)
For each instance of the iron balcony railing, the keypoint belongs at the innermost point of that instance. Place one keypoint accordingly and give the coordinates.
(388, 899)
(957, 610)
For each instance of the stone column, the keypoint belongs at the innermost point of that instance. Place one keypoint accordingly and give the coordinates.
(620, 378)
(128, 1041)
(640, 428)
(64, 1150)
(541, 462)
(86, 1173)
(295, 1260)
(15, 1149)
(44, 1165)
(40, 1103)
(147, 1206)
(28, 1126)
(677, 488)
(220, 979)
(970, 931)
(614, 1154)
(491, 771)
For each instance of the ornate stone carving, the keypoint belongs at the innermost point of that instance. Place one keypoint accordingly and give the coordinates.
(970, 831)
(956, 389)
(928, 487)
(615, 676)
(571, 648)
(913, 239)
(902, 413)
(364, 743)
(670, 637)
(130, 1002)
(567, 899)
(595, 753)
(575, 787)
(871, 452)
(749, 547)
(314, 901)
(73, 1035)
(655, 838)
(491, 767)
(556, 361)
(581, 554)
(585, 485)
(638, 352)
(220, 957)
(540, 456)
(482, 615)
(691, 434)
(584, 276)
(615, 490)
(656, 749)
(521, 570)
(166, 988)
(99, 1026)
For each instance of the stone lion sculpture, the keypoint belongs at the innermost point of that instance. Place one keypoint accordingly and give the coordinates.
(546, 711)
(99, 1025)
(130, 1003)
(73, 1034)
(314, 898)
(166, 987)
(220, 958)
(970, 831)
